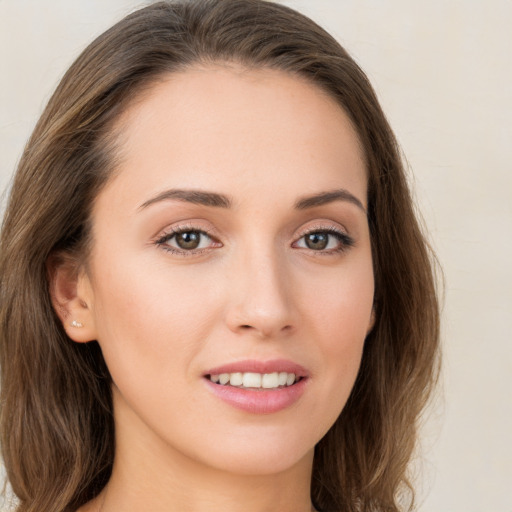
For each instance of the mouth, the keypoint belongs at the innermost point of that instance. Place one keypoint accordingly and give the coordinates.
(255, 381)
(258, 387)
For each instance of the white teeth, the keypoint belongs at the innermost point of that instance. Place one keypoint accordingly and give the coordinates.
(236, 379)
(270, 380)
(255, 380)
(252, 380)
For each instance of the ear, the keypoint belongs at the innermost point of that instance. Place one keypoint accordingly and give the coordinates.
(71, 296)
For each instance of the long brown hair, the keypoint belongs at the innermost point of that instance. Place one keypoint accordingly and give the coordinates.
(57, 429)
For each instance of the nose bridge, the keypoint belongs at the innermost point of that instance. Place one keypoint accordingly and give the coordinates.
(262, 299)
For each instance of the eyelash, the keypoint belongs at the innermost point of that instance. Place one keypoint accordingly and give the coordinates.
(345, 241)
(162, 241)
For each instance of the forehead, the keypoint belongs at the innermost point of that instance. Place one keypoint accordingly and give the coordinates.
(233, 128)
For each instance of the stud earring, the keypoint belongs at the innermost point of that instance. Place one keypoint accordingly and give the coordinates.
(74, 323)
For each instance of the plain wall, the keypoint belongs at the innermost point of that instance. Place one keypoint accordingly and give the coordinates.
(443, 72)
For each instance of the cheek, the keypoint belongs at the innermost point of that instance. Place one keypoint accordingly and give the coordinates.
(150, 318)
(340, 311)
(340, 304)
(151, 326)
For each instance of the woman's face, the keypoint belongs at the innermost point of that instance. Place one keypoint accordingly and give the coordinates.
(232, 241)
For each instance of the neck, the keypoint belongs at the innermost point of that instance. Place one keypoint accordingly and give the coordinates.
(148, 474)
(207, 491)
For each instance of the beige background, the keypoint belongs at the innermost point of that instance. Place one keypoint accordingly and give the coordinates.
(442, 69)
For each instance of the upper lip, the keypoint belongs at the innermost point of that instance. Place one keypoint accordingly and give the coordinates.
(255, 366)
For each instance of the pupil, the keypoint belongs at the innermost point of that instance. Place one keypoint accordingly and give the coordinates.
(188, 240)
(317, 241)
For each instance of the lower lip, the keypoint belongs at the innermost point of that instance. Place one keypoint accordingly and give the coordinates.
(259, 401)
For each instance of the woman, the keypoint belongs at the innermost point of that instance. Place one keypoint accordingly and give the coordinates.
(215, 293)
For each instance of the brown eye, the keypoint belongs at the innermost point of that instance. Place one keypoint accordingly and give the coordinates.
(317, 241)
(188, 239)
(328, 241)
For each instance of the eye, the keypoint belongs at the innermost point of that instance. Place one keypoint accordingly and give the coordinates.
(325, 240)
(186, 240)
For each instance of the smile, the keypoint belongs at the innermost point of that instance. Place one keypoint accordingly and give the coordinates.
(251, 380)
(258, 387)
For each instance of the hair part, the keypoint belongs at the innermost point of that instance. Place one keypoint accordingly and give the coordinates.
(56, 420)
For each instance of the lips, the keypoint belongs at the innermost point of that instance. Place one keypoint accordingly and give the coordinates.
(258, 387)
(262, 367)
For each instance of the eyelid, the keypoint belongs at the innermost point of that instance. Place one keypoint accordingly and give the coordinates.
(186, 225)
(323, 226)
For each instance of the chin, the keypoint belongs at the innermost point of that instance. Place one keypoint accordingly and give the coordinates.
(263, 454)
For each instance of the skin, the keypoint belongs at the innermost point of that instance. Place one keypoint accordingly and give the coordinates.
(254, 289)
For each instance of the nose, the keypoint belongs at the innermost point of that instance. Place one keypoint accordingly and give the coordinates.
(261, 297)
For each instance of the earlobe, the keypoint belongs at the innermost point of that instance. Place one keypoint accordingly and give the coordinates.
(71, 297)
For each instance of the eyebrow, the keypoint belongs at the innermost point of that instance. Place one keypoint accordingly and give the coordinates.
(328, 197)
(192, 196)
(217, 200)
